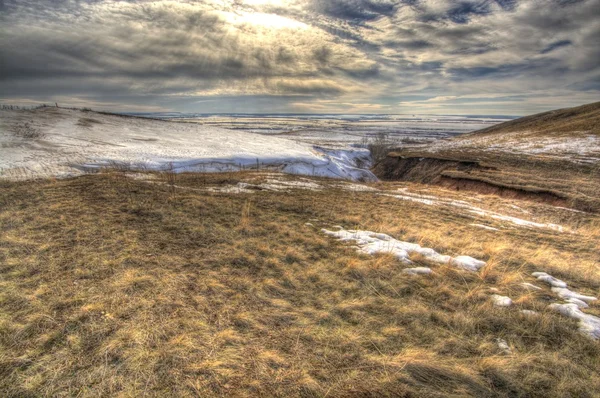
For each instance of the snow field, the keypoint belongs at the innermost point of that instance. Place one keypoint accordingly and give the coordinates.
(72, 142)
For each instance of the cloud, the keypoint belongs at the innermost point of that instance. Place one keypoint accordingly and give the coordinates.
(334, 54)
(555, 45)
(463, 10)
(354, 10)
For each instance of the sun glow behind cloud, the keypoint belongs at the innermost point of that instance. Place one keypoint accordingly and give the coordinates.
(267, 21)
(444, 56)
(263, 2)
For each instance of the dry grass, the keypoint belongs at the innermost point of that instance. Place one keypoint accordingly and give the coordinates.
(111, 286)
(497, 159)
(556, 122)
(543, 179)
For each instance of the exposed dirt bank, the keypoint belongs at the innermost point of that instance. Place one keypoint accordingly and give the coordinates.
(475, 176)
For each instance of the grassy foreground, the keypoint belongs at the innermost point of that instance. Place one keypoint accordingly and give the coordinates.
(111, 286)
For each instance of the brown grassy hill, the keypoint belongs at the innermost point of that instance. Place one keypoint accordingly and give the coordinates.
(552, 157)
(189, 285)
(580, 118)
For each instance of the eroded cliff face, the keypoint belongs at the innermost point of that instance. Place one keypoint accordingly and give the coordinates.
(427, 170)
(482, 178)
(488, 188)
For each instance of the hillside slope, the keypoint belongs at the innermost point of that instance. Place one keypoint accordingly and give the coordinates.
(552, 157)
(585, 118)
(571, 134)
(226, 285)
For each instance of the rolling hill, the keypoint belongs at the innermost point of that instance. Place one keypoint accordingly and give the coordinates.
(584, 118)
(552, 157)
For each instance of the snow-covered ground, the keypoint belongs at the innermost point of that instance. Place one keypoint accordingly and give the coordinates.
(583, 147)
(369, 242)
(430, 200)
(574, 303)
(62, 142)
(346, 130)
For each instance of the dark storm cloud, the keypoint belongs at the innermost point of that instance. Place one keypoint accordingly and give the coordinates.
(193, 46)
(408, 44)
(555, 45)
(543, 67)
(508, 5)
(463, 10)
(371, 52)
(501, 71)
(568, 2)
(474, 49)
(586, 86)
(358, 10)
(458, 12)
(430, 66)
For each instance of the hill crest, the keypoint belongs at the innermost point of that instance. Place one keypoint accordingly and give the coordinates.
(584, 118)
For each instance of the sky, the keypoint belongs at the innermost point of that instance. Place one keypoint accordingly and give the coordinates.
(492, 57)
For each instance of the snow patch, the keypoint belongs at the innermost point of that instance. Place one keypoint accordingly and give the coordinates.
(529, 312)
(141, 176)
(485, 227)
(565, 293)
(417, 270)
(503, 345)
(369, 242)
(584, 148)
(530, 286)
(588, 324)
(501, 301)
(283, 185)
(411, 198)
(467, 262)
(437, 201)
(240, 187)
(357, 188)
(519, 209)
(577, 302)
(515, 220)
(552, 281)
